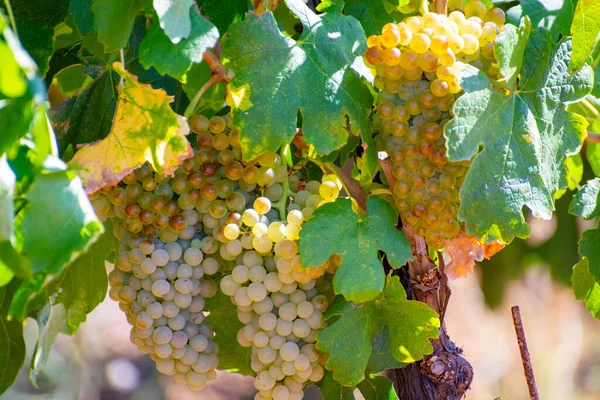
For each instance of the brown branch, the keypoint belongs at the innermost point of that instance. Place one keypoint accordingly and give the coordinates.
(445, 291)
(593, 137)
(441, 6)
(215, 65)
(522, 342)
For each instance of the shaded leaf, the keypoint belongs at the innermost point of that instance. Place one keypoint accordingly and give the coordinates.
(357, 240)
(223, 13)
(554, 15)
(314, 74)
(82, 13)
(113, 21)
(12, 345)
(586, 202)
(332, 390)
(377, 388)
(223, 319)
(589, 247)
(144, 129)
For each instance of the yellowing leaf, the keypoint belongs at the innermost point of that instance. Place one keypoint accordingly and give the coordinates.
(144, 129)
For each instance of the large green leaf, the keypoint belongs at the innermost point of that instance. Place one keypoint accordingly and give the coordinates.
(586, 202)
(50, 240)
(53, 11)
(87, 116)
(159, 52)
(585, 31)
(277, 77)
(12, 345)
(332, 390)
(82, 13)
(357, 240)
(593, 154)
(224, 321)
(589, 247)
(377, 388)
(526, 135)
(37, 37)
(554, 15)
(223, 13)
(113, 21)
(411, 324)
(585, 287)
(371, 13)
(174, 18)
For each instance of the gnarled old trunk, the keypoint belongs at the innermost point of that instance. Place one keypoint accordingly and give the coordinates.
(445, 374)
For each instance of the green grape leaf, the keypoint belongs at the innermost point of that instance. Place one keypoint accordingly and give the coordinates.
(574, 165)
(174, 18)
(224, 321)
(87, 116)
(332, 390)
(53, 11)
(526, 135)
(411, 324)
(377, 388)
(586, 202)
(144, 129)
(314, 72)
(12, 344)
(113, 21)
(371, 13)
(37, 37)
(83, 15)
(213, 98)
(223, 13)
(51, 321)
(585, 287)
(554, 15)
(50, 240)
(509, 50)
(381, 357)
(589, 247)
(157, 50)
(593, 155)
(585, 31)
(357, 241)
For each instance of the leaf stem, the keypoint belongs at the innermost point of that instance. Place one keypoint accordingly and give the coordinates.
(441, 6)
(191, 108)
(215, 65)
(11, 17)
(122, 57)
(593, 137)
(424, 7)
(282, 202)
(589, 106)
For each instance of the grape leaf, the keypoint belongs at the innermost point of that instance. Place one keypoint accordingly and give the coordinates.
(371, 13)
(144, 129)
(51, 240)
(88, 116)
(51, 321)
(593, 155)
(174, 18)
(159, 52)
(82, 13)
(196, 77)
(223, 320)
(53, 11)
(37, 37)
(377, 388)
(332, 390)
(589, 247)
(314, 73)
(586, 202)
(12, 344)
(113, 21)
(358, 239)
(411, 324)
(585, 287)
(381, 357)
(223, 13)
(526, 135)
(554, 15)
(585, 31)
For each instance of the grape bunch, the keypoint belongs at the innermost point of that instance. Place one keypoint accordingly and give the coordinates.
(176, 233)
(280, 303)
(416, 62)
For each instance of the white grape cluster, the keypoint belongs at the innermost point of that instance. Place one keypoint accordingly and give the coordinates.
(161, 288)
(277, 300)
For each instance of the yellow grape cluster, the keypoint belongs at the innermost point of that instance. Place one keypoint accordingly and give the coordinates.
(416, 63)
